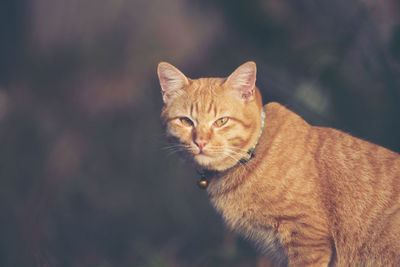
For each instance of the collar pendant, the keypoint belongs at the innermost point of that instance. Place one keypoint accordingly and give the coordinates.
(202, 183)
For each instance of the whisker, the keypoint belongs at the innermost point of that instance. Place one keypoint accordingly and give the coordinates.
(241, 153)
(232, 148)
(169, 147)
(176, 148)
(174, 151)
(236, 159)
(231, 153)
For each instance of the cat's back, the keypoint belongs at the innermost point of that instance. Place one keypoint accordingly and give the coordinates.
(360, 182)
(353, 164)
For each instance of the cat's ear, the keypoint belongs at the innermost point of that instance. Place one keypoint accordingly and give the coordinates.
(172, 80)
(243, 80)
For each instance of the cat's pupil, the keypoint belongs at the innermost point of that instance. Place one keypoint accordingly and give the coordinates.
(221, 121)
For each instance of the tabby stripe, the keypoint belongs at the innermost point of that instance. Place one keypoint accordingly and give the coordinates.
(239, 141)
(227, 128)
(245, 125)
(310, 262)
(191, 110)
(391, 163)
(310, 226)
(210, 106)
(236, 139)
(215, 110)
(295, 244)
(289, 218)
(310, 241)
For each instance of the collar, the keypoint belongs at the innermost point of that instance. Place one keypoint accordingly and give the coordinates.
(206, 174)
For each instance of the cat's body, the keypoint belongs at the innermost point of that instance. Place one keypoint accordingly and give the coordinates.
(310, 196)
(294, 194)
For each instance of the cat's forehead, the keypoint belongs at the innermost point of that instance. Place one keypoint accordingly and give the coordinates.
(204, 99)
(210, 99)
(206, 85)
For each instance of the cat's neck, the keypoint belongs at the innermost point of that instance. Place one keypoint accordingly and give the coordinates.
(250, 152)
(277, 120)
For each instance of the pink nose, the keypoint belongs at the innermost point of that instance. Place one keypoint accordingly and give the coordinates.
(201, 142)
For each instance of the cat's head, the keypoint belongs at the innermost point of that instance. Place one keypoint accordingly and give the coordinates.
(213, 122)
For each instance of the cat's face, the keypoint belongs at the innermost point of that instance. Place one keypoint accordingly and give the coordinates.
(213, 122)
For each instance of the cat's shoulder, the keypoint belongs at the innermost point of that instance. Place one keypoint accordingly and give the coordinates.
(282, 115)
(274, 106)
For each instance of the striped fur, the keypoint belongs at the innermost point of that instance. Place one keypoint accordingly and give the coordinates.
(311, 196)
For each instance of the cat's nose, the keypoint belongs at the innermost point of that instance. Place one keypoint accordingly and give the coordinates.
(201, 143)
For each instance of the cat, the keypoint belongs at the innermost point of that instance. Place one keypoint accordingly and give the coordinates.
(304, 195)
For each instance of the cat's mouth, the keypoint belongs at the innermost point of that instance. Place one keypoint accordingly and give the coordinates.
(202, 155)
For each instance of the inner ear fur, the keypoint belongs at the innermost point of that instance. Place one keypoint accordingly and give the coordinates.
(243, 80)
(172, 80)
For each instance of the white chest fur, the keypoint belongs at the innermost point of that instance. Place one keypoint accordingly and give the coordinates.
(240, 215)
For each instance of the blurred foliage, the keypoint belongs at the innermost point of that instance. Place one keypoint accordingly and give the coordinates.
(84, 176)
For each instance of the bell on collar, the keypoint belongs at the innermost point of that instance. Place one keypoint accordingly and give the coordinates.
(202, 183)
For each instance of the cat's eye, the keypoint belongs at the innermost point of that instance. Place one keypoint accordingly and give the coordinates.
(221, 121)
(186, 121)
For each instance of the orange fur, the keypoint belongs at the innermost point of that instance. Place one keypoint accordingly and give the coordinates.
(311, 196)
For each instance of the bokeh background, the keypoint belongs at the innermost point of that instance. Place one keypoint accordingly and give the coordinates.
(84, 176)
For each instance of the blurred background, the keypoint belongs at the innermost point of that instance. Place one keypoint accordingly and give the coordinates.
(84, 176)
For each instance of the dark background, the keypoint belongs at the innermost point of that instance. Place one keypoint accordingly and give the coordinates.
(84, 176)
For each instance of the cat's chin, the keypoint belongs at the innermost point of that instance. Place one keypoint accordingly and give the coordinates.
(203, 160)
(211, 163)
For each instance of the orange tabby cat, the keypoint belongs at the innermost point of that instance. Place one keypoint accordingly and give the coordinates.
(306, 196)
